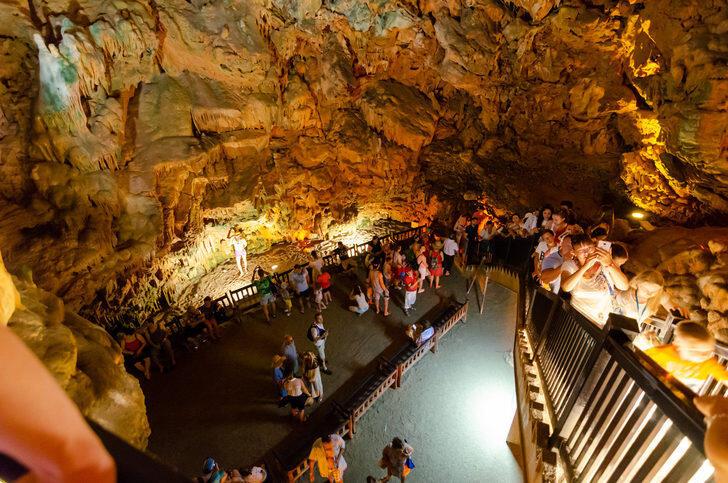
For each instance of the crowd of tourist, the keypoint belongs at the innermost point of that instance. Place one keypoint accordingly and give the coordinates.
(569, 256)
(580, 260)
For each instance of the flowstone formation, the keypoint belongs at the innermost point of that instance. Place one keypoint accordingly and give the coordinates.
(82, 357)
(134, 133)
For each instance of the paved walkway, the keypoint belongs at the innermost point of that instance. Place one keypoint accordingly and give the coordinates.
(219, 401)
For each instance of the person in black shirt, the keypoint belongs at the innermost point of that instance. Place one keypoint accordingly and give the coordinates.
(471, 232)
(342, 251)
(212, 314)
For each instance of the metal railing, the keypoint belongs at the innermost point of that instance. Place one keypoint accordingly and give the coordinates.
(591, 405)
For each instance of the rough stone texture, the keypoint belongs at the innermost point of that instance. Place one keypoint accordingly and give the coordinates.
(83, 358)
(122, 125)
(695, 265)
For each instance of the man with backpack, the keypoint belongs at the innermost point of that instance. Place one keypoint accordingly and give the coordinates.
(318, 334)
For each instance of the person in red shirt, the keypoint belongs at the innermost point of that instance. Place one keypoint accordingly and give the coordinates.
(411, 285)
(324, 281)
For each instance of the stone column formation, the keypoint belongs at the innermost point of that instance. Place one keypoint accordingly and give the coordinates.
(133, 133)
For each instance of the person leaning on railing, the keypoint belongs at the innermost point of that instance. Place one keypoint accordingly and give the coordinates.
(591, 277)
(690, 358)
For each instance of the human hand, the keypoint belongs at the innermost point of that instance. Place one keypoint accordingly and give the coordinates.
(604, 257)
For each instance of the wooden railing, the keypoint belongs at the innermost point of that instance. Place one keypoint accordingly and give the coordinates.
(246, 297)
(388, 375)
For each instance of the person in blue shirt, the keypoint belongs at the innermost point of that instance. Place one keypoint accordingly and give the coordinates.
(278, 376)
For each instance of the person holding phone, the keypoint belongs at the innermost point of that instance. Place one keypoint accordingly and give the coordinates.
(592, 278)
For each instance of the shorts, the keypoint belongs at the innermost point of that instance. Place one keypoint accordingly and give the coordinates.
(288, 303)
(424, 272)
(326, 290)
(267, 298)
(436, 272)
(361, 310)
(305, 293)
(298, 402)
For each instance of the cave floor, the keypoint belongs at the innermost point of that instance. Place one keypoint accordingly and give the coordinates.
(219, 401)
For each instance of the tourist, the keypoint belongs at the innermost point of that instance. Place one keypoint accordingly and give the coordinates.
(279, 378)
(300, 282)
(515, 228)
(285, 292)
(312, 375)
(297, 396)
(715, 410)
(211, 313)
(264, 285)
(254, 474)
(316, 264)
(388, 270)
(324, 281)
(318, 298)
(211, 472)
(472, 238)
(318, 334)
(449, 249)
(194, 328)
(376, 251)
(379, 289)
(459, 228)
(591, 278)
(559, 224)
(598, 234)
(395, 457)
(240, 248)
(422, 268)
(420, 333)
(487, 236)
(368, 291)
(690, 358)
(342, 252)
(289, 351)
(643, 298)
(546, 246)
(398, 262)
(358, 296)
(411, 288)
(549, 274)
(545, 220)
(436, 264)
(327, 454)
(159, 342)
(619, 254)
(135, 348)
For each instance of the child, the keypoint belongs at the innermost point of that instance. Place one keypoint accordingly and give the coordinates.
(285, 294)
(318, 297)
(368, 291)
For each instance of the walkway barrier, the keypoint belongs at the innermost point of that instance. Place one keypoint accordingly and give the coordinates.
(247, 297)
(387, 375)
(612, 413)
(590, 406)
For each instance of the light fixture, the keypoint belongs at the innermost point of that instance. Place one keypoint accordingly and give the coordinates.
(637, 215)
(274, 267)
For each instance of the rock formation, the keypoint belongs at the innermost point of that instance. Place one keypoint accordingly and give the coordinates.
(80, 355)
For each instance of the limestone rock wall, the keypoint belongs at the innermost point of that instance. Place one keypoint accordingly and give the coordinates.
(130, 130)
(81, 356)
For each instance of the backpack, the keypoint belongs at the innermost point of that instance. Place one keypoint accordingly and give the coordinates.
(308, 333)
(433, 261)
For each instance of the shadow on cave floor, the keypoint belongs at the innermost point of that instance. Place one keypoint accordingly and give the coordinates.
(220, 400)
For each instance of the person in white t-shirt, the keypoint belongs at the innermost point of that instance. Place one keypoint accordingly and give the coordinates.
(449, 249)
(591, 278)
(545, 247)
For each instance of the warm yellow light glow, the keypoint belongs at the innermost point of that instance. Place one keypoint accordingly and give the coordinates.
(637, 215)
(274, 267)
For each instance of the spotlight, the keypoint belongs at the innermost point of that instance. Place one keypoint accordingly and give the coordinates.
(274, 267)
(637, 215)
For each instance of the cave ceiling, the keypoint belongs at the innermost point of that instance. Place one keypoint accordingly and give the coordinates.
(127, 126)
